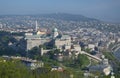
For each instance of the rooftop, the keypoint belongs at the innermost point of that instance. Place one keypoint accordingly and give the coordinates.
(33, 37)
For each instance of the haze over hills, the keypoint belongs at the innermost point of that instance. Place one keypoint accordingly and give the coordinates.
(60, 16)
(62, 21)
(68, 17)
(107, 10)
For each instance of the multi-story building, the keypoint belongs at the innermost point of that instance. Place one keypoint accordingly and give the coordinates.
(64, 42)
(61, 42)
(36, 40)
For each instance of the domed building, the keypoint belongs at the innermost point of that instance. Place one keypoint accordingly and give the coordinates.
(41, 38)
(55, 32)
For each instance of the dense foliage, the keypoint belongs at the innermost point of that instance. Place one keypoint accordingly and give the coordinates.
(15, 69)
(6, 44)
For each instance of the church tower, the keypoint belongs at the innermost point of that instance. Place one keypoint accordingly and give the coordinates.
(36, 27)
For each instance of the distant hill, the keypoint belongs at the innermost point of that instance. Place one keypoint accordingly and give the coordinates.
(68, 17)
(62, 21)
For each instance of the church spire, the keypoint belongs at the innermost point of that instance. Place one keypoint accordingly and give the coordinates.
(36, 28)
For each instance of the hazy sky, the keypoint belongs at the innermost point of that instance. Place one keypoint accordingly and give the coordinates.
(108, 10)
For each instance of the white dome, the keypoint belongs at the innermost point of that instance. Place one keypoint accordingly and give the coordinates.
(55, 30)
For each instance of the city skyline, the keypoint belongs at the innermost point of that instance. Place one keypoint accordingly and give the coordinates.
(106, 10)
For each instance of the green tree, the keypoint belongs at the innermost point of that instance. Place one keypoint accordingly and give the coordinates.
(34, 53)
(82, 61)
(13, 69)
